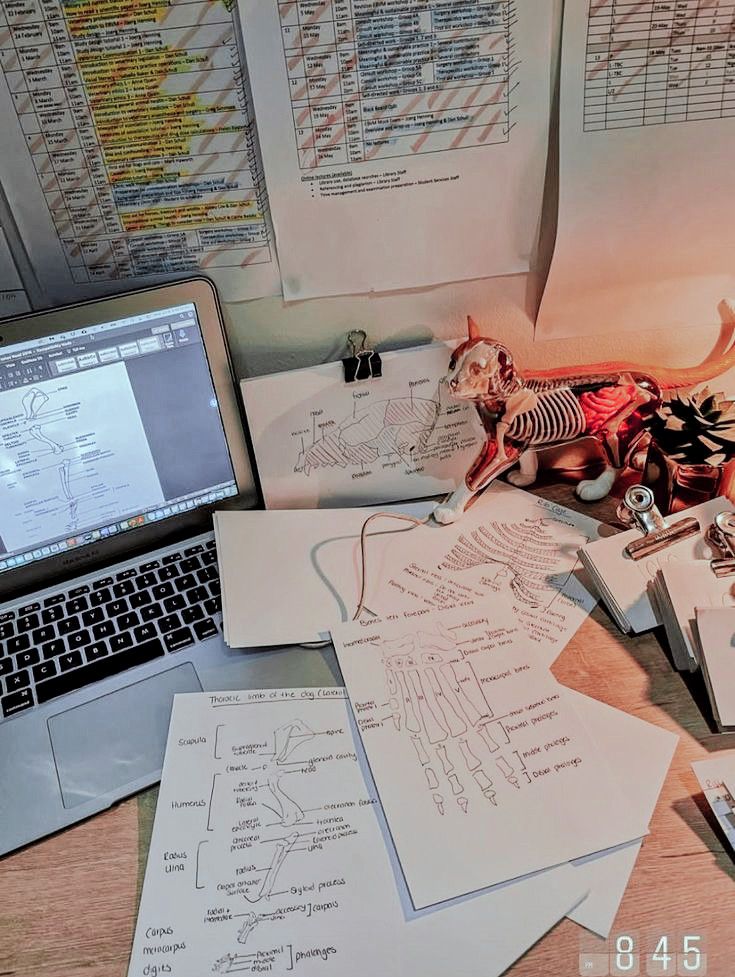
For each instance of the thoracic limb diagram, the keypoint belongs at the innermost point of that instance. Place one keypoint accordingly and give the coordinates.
(286, 741)
(400, 427)
(436, 700)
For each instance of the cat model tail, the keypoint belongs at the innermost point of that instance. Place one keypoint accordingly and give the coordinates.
(667, 379)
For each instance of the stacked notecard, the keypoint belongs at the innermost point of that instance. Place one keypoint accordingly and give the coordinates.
(716, 776)
(625, 585)
(715, 628)
(677, 589)
(271, 852)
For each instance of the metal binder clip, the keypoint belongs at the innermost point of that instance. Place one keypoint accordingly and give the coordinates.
(638, 509)
(363, 364)
(721, 535)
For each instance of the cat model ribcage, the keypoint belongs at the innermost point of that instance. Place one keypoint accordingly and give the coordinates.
(437, 702)
(557, 416)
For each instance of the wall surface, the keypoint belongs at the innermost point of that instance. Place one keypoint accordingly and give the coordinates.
(268, 335)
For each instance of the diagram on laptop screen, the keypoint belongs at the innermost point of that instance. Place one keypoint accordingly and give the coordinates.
(73, 456)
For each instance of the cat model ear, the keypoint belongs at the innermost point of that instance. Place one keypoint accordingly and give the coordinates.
(505, 363)
(473, 330)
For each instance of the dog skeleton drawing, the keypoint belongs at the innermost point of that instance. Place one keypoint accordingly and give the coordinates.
(611, 402)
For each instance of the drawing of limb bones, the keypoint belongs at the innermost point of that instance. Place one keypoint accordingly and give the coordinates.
(34, 400)
(266, 886)
(436, 700)
(233, 963)
(64, 475)
(286, 739)
(529, 556)
(401, 426)
(36, 432)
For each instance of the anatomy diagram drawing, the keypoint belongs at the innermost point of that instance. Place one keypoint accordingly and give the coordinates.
(436, 699)
(527, 554)
(399, 428)
(73, 455)
(286, 740)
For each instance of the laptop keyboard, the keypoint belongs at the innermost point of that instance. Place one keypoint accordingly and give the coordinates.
(70, 639)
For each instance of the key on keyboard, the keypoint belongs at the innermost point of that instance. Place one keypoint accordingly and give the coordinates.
(51, 647)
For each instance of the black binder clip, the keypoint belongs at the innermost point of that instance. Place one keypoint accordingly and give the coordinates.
(363, 364)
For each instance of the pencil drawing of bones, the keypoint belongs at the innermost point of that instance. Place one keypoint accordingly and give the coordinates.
(527, 551)
(34, 400)
(401, 426)
(437, 701)
(286, 739)
(35, 432)
(65, 476)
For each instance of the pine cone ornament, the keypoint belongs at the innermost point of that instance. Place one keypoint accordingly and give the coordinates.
(696, 429)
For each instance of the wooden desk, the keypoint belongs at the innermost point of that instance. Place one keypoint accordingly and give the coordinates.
(68, 904)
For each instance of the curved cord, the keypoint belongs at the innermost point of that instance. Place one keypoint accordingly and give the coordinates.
(363, 560)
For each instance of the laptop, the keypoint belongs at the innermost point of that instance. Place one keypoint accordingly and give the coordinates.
(120, 432)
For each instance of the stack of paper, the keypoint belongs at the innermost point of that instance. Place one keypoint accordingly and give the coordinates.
(716, 632)
(625, 585)
(484, 764)
(677, 590)
(271, 853)
(289, 576)
(717, 779)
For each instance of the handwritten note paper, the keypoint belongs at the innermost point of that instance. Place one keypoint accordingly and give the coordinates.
(270, 855)
(484, 769)
(512, 551)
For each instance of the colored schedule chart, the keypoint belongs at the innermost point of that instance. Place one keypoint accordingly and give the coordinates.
(139, 131)
(651, 63)
(376, 80)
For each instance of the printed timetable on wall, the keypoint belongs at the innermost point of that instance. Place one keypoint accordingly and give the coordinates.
(371, 86)
(131, 153)
(654, 63)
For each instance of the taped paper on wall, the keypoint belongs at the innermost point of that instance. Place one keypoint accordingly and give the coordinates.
(403, 145)
(647, 112)
(130, 154)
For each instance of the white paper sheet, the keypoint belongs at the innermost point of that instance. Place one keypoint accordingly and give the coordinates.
(647, 115)
(319, 441)
(13, 296)
(289, 575)
(484, 769)
(512, 551)
(73, 455)
(404, 144)
(626, 581)
(640, 754)
(716, 631)
(716, 777)
(270, 854)
(129, 154)
(691, 585)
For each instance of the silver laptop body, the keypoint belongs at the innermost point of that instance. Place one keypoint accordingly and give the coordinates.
(119, 434)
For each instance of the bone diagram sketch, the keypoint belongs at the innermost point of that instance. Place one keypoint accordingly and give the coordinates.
(400, 428)
(527, 553)
(437, 701)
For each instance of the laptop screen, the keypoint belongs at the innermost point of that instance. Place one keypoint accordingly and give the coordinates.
(106, 428)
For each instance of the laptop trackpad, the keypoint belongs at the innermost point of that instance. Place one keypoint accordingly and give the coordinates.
(115, 740)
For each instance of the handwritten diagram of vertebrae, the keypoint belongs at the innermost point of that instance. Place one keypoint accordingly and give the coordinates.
(437, 701)
(398, 427)
(527, 550)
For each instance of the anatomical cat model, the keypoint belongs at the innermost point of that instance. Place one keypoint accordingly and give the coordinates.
(611, 402)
